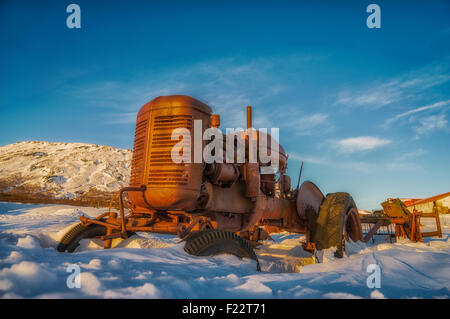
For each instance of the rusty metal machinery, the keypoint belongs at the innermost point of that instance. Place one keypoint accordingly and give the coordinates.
(194, 199)
(407, 224)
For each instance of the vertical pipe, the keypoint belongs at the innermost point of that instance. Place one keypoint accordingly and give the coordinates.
(249, 117)
(121, 208)
(299, 176)
(215, 120)
(122, 213)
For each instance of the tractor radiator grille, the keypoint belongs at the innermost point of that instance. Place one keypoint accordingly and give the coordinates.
(137, 164)
(163, 171)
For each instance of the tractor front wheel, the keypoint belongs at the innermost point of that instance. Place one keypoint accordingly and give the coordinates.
(71, 240)
(337, 221)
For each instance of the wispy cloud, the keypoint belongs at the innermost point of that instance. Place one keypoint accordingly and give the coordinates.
(308, 158)
(311, 121)
(121, 118)
(227, 85)
(360, 143)
(361, 166)
(422, 119)
(386, 92)
(311, 124)
(295, 120)
(415, 153)
(381, 95)
(417, 110)
(431, 123)
(216, 82)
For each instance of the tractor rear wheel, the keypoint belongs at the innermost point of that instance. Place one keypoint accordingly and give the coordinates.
(337, 221)
(215, 242)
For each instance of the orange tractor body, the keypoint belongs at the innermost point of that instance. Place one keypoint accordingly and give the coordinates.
(183, 198)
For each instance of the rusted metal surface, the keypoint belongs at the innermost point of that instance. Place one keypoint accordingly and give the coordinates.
(284, 184)
(169, 185)
(252, 179)
(395, 208)
(215, 120)
(228, 199)
(353, 225)
(309, 199)
(268, 184)
(407, 223)
(373, 230)
(222, 173)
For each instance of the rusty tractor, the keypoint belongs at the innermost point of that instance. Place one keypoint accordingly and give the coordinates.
(218, 207)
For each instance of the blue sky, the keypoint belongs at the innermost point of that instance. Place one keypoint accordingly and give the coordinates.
(366, 109)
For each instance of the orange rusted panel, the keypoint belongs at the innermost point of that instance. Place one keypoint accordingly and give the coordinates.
(170, 186)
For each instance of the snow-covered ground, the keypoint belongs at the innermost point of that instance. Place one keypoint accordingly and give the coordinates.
(155, 266)
(62, 170)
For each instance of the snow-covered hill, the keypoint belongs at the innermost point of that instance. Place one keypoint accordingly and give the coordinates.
(62, 170)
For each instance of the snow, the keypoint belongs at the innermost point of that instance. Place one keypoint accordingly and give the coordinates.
(63, 170)
(156, 266)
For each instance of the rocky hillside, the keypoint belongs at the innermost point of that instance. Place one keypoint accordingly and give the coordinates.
(62, 172)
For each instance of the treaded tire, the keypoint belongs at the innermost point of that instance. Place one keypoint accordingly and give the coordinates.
(216, 242)
(329, 227)
(71, 240)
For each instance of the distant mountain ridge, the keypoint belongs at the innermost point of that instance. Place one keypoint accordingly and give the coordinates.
(58, 172)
